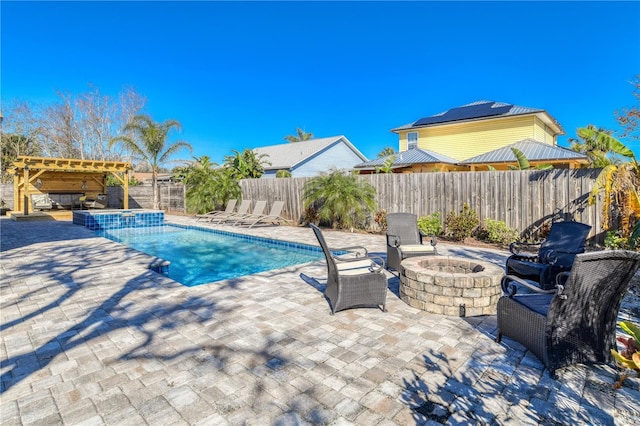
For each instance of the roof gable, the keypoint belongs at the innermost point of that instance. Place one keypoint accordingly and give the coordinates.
(288, 155)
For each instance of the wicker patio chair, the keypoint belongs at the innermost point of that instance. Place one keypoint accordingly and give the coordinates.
(404, 239)
(555, 254)
(353, 279)
(576, 323)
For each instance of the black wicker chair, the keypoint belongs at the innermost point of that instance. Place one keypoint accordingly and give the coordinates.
(576, 323)
(404, 240)
(554, 255)
(354, 279)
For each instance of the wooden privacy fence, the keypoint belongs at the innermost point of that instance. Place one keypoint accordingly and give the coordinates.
(522, 199)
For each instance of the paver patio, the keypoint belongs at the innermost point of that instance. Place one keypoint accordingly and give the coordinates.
(91, 336)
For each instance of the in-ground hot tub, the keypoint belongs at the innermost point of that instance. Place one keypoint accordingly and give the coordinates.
(450, 285)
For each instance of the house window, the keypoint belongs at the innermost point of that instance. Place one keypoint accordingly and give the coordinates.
(412, 140)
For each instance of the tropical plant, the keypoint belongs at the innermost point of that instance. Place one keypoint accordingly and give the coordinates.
(614, 241)
(283, 174)
(246, 164)
(149, 142)
(430, 224)
(595, 147)
(208, 187)
(629, 358)
(300, 136)
(387, 167)
(619, 184)
(523, 162)
(386, 151)
(112, 181)
(341, 199)
(460, 226)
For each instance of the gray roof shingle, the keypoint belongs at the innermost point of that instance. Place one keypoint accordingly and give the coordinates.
(532, 149)
(288, 155)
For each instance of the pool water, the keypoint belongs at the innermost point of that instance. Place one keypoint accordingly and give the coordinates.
(200, 256)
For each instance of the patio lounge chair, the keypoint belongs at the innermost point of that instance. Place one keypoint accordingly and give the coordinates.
(100, 202)
(576, 323)
(404, 240)
(272, 218)
(243, 209)
(231, 204)
(258, 210)
(41, 202)
(355, 281)
(554, 255)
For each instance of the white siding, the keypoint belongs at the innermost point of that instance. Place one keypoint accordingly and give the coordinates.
(339, 156)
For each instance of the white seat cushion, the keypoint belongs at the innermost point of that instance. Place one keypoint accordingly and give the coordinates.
(417, 248)
(355, 268)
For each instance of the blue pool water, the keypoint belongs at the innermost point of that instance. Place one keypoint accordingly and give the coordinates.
(200, 256)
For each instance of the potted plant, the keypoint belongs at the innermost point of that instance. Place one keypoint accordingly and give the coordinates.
(3, 208)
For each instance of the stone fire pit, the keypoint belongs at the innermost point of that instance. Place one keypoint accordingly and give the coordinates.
(450, 285)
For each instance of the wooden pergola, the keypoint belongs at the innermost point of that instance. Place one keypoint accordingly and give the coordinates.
(39, 175)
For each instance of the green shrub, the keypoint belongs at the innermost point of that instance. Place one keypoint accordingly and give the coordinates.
(497, 231)
(613, 241)
(430, 224)
(461, 226)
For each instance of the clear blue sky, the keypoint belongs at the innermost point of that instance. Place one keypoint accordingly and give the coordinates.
(245, 74)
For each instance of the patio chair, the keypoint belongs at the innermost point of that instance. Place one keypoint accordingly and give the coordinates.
(404, 240)
(243, 209)
(355, 281)
(41, 202)
(273, 218)
(100, 202)
(576, 323)
(554, 254)
(231, 204)
(258, 210)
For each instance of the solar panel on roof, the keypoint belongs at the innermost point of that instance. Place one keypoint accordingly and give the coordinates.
(465, 113)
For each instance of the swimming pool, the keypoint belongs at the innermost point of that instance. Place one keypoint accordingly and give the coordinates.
(200, 256)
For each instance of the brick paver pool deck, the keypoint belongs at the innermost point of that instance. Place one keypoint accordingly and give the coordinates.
(91, 336)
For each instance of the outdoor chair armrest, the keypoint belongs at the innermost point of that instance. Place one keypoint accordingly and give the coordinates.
(393, 240)
(510, 284)
(376, 266)
(515, 248)
(434, 239)
(357, 250)
(551, 257)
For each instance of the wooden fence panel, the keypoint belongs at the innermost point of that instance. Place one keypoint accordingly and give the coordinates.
(522, 199)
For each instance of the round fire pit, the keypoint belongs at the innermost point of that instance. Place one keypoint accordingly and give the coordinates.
(450, 285)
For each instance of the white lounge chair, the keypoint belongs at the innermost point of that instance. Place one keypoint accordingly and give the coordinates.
(231, 204)
(272, 218)
(243, 209)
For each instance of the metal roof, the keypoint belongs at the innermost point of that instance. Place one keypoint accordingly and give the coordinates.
(476, 111)
(532, 149)
(287, 155)
(406, 158)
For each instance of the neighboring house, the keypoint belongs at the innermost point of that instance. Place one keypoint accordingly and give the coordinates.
(477, 128)
(146, 178)
(414, 160)
(309, 158)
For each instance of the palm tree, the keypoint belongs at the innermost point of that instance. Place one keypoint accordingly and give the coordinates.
(387, 151)
(149, 142)
(209, 187)
(595, 147)
(620, 183)
(300, 136)
(246, 164)
(340, 198)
